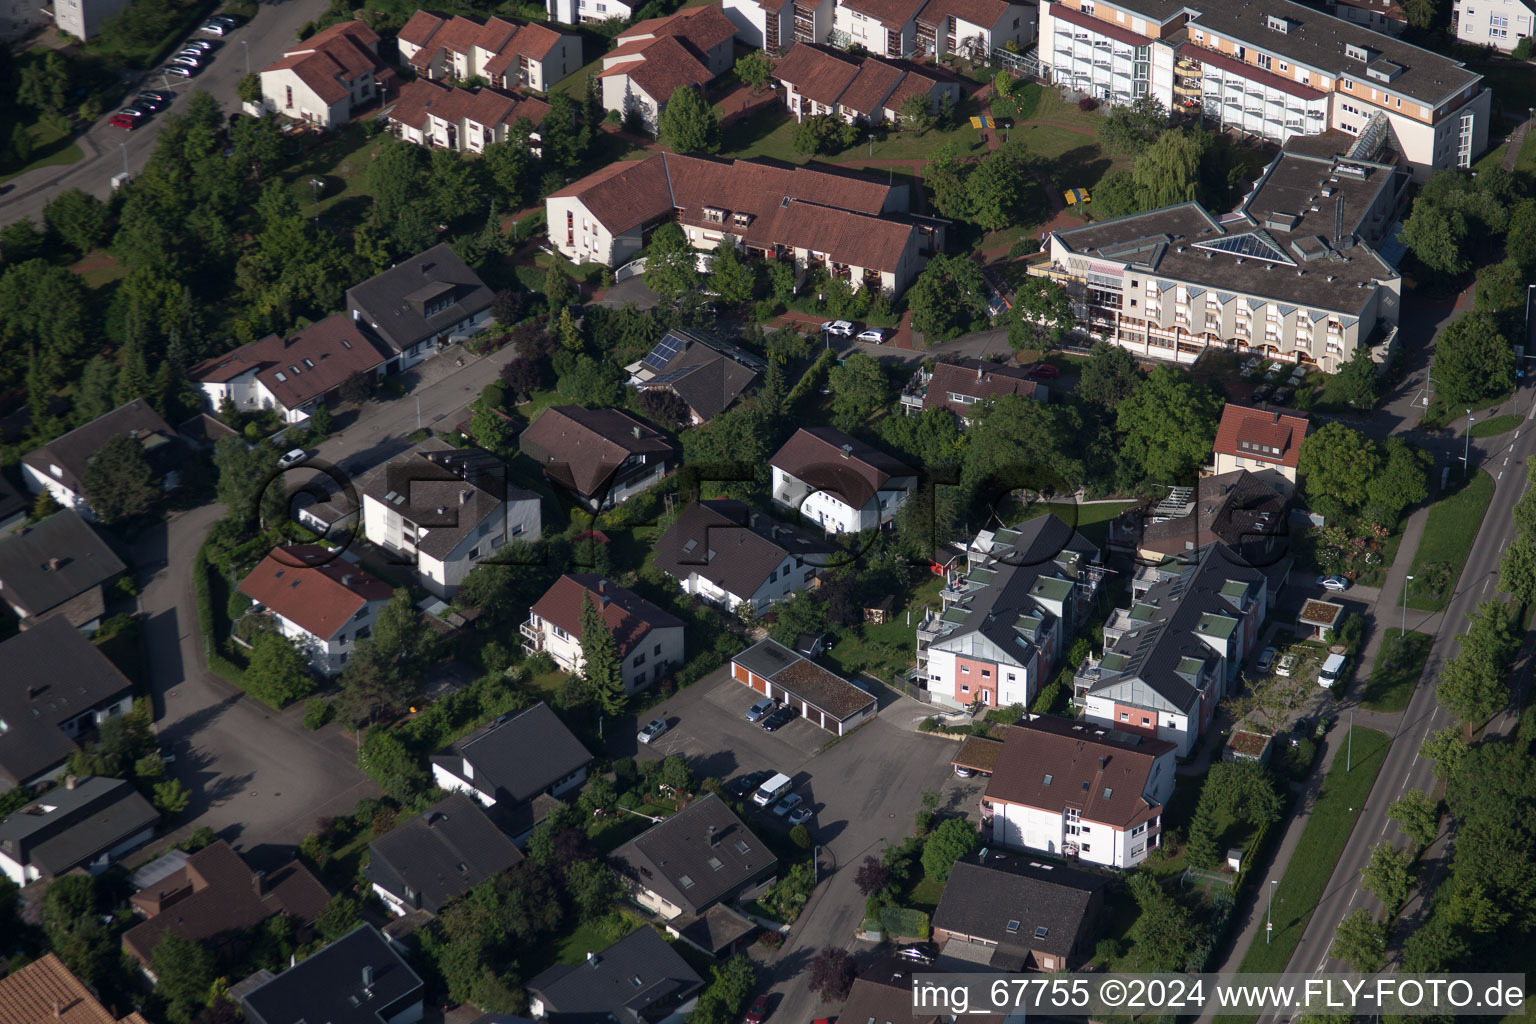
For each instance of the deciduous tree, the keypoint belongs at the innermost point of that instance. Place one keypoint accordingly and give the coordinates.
(184, 973)
(1109, 376)
(1389, 875)
(729, 278)
(1168, 425)
(671, 264)
(278, 674)
(1041, 316)
(754, 69)
(1473, 361)
(689, 123)
(119, 481)
(954, 839)
(1359, 380)
(1361, 941)
(859, 390)
(948, 298)
(832, 973)
(79, 219)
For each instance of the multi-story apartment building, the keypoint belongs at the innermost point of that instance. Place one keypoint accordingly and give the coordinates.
(1005, 622)
(1276, 70)
(649, 638)
(1292, 274)
(1497, 23)
(1076, 790)
(1170, 656)
(776, 25)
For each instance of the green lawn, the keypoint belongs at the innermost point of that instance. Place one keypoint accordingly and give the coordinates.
(1439, 413)
(889, 650)
(104, 275)
(341, 161)
(1496, 425)
(1091, 520)
(1322, 842)
(1448, 535)
(50, 148)
(1397, 669)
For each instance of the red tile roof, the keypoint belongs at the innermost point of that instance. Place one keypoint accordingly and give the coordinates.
(986, 13)
(1245, 432)
(329, 61)
(310, 361)
(1054, 763)
(892, 13)
(420, 28)
(867, 92)
(505, 38)
(321, 597)
(665, 65)
(483, 106)
(628, 616)
(624, 194)
(914, 83)
(838, 464)
(705, 27)
(46, 992)
(816, 73)
(582, 448)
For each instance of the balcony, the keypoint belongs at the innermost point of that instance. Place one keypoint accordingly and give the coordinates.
(533, 637)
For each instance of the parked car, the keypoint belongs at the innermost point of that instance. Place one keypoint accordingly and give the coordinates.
(153, 101)
(963, 772)
(873, 335)
(205, 45)
(232, 20)
(214, 28)
(179, 71)
(655, 727)
(186, 60)
(789, 803)
(779, 719)
(1044, 371)
(1333, 583)
(757, 712)
(1261, 392)
(838, 328)
(758, 1011)
(919, 952)
(1287, 663)
(1281, 396)
(743, 786)
(800, 815)
(128, 118)
(1266, 659)
(292, 457)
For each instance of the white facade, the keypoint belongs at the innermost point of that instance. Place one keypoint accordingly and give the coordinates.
(1166, 722)
(22, 874)
(790, 578)
(248, 393)
(447, 780)
(37, 482)
(831, 512)
(657, 651)
(1496, 23)
(1015, 684)
(622, 94)
(799, 21)
(1030, 828)
(84, 18)
(575, 12)
(327, 655)
(442, 575)
(874, 35)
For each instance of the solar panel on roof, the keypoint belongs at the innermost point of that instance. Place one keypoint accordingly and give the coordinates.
(665, 351)
(668, 377)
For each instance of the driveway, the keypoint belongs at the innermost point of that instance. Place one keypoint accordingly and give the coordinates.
(274, 29)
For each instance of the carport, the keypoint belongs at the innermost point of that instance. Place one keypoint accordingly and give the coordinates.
(824, 698)
(979, 754)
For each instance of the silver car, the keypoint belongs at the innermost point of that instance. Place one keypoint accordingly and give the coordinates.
(655, 727)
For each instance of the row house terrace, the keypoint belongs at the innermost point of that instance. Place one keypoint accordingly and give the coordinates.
(505, 52)
(466, 120)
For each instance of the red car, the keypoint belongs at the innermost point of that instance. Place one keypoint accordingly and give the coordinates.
(758, 1011)
(127, 118)
(1044, 371)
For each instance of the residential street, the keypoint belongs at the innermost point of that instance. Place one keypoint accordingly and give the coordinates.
(251, 770)
(273, 30)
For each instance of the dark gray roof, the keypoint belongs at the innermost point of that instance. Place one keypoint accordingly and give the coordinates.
(30, 578)
(803, 678)
(13, 501)
(393, 302)
(441, 854)
(519, 755)
(98, 814)
(1236, 508)
(1162, 651)
(72, 452)
(1009, 898)
(638, 978)
(50, 675)
(328, 987)
(733, 546)
(446, 491)
(698, 856)
(715, 929)
(706, 371)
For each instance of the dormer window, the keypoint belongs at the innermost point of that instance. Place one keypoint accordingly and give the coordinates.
(714, 215)
(741, 219)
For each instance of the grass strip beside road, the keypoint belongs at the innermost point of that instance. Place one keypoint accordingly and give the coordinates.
(1448, 536)
(1496, 425)
(1322, 841)
(1397, 669)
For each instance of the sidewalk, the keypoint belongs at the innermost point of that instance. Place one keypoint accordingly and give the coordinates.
(1387, 612)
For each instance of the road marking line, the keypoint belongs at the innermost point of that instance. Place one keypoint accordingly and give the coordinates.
(1383, 828)
(1500, 476)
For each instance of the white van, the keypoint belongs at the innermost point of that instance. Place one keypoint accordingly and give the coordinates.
(771, 790)
(1333, 667)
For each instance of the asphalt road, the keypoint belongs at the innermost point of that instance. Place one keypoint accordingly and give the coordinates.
(1404, 769)
(273, 30)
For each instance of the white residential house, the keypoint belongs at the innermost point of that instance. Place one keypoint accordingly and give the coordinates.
(465, 120)
(1500, 24)
(974, 28)
(885, 28)
(653, 58)
(858, 89)
(840, 484)
(580, 12)
(649, 639)
(730, 554)
(326, 78)
(776, 25)
(318, 600)
(1072, 789)
(60, 465)
(290, 375)
(446, 510)
(421, 305)
(507, 53)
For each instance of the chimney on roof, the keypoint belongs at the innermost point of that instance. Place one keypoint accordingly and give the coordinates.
(635, 430)
(368, 978)
(602, 586)
(442, 510)
(714, 837)
(259, 883)
(465, 495)
(346, 579)
(1103, 760)
(69, 782)
(978, 372)
(1277, 415)
(54, 564)
(58, 1007)
(34, 691)
(847, 451)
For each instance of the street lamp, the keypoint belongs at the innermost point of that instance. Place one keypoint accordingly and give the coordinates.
(124, 146)
(1466, 448)
(1269, 921)
(1403, 639)
(1349, 755)
(871, 145)
(247, 44)
(317, 185)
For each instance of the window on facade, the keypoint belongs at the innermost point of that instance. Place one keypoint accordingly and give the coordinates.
(289, 91)
(965, 687)
(1124, 717)
(1145, 720)
(657, 651)
(639, 660)
(965, 669)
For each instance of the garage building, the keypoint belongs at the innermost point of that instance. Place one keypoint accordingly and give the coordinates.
(824, 698)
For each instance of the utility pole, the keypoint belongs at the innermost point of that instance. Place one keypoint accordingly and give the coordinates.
(1403, 639)
(124, 146)
(1349, 755)
(815, 867)
(1466, 448)
(1269, 920)
(418, 412)
(247, 44)
(317, 185)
